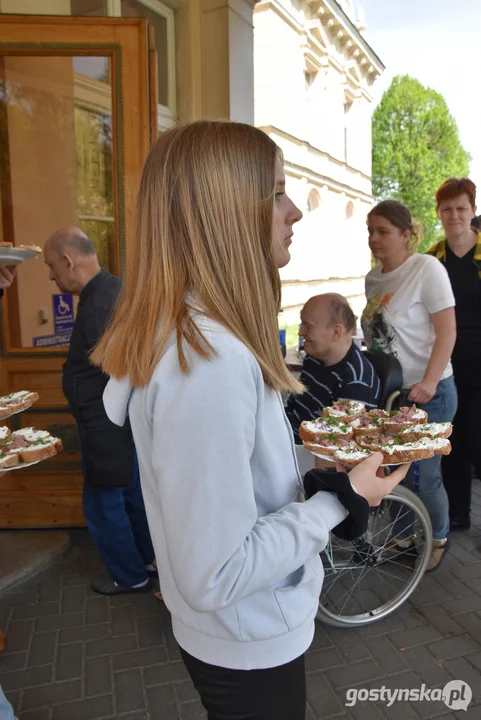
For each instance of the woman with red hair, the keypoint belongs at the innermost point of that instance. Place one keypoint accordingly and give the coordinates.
(460, 253)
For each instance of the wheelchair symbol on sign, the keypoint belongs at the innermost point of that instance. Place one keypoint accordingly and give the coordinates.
(63, 307)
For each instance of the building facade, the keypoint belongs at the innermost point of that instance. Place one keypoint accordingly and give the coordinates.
(314, 74)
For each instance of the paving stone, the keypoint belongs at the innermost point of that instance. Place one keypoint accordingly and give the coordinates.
(193, 711)
(69, 662)
(472, 624)
(150, 632)
(349, 649)
(19, 634)
(462, 605)
(73, 599)
(165, 673)
(97, 610)
(161, 703)
(49, 589)
(453, 647)
(140, 658)
(186, 691)
(39, 714)
(42, 648)
(353, 674)
(322, 698)
(98, 676)
(123, 622)
(453, 583)
(387, 657)
(110, 646)
(475, 660)
(425, 666)
(59, 622)
(381, 627)
(414, 636)
(461, 669)
(12, 661)
(436, 615)
(20, 679)
(36, 610)
(18, 599)
(89, 709)
(83, 633)
(400, 711)
(51, 694)
(172, 646)
(129, 691)
(323, 659)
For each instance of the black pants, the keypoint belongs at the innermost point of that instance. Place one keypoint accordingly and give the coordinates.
(466, 443)
(277, 693)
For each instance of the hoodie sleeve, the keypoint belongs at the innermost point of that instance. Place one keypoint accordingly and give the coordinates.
(203, 438)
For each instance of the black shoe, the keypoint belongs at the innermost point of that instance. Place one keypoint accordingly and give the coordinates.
(459, 522)
(107, 586)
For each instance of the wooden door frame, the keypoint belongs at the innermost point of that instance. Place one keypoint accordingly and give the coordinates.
(50, 494)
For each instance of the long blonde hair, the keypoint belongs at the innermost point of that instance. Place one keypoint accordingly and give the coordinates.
(204, 231)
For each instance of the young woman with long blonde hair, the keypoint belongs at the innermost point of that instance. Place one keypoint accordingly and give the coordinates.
(194, 348)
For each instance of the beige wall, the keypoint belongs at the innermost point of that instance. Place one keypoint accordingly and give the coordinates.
(41, 138)
(215, 59)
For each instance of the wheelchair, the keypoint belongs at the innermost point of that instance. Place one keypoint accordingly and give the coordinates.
(367, 579)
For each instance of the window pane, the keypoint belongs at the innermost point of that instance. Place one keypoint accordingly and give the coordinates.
(56, 169)
(133, 8)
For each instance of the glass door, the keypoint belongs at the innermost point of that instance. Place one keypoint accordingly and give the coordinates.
(74, 131)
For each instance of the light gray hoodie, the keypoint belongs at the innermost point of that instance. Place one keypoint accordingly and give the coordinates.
(238, 553)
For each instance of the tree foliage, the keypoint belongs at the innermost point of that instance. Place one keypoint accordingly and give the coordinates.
(416, 147)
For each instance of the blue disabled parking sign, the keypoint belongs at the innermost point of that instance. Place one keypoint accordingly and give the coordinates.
(63, 318)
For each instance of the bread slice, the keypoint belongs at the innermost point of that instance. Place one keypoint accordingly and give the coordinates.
(31, 246)
(16, 402)
(429, 430)
(314, 430)
(345, 410)
(351, 456)
(6, 244)
(405, 417)
(41, 450)
(329, 445)
(8, 460)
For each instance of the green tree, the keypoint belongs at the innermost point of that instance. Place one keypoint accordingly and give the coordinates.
(416, 147)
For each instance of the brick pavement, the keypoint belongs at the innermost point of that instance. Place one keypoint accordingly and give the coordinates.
(73, 655)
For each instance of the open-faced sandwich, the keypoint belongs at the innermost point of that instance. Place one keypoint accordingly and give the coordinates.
(352, 455)
(31, 246)
(32, 445)
(16, 402)
(428, 430)
(372, 421)
(403, 418)
(8, 460)
(322, 428)
(328, 445)
(345, 410)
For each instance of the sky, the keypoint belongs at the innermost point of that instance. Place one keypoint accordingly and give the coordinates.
(439, 43)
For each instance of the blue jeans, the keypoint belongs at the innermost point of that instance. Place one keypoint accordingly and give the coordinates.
(424, 477)
(118, 525)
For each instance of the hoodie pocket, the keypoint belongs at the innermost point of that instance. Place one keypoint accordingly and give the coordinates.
(299, 602)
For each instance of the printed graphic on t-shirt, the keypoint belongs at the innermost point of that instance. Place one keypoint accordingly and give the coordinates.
(382, 333)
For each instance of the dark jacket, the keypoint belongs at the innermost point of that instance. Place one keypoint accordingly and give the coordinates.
(108, 450)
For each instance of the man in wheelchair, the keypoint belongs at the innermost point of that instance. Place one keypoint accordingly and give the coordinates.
(333, 367)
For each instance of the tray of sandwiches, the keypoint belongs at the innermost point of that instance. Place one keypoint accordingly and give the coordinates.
(348, 434)
(25, 447)
(11, 254)
(16, 402)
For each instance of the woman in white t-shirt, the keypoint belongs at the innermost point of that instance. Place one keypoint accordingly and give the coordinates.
(410, 313)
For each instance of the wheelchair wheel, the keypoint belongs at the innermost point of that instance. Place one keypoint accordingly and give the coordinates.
(369, 578)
